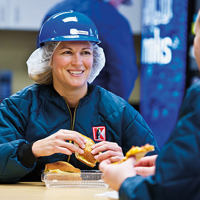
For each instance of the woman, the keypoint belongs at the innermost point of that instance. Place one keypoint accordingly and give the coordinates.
(41, 123)
(177, 174)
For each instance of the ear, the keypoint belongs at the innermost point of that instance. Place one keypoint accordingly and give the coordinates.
(51, 59)
(51, 62)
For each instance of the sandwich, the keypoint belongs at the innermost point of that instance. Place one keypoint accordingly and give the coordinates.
(137, 152)
(87, 158)
(62, 170)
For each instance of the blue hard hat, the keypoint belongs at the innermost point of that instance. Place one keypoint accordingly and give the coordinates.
(68, 26)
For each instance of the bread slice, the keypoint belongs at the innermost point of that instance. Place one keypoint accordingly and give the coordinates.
(62, 170)
(62, 166)
(64, 176)
(137, 152)
(87, 158)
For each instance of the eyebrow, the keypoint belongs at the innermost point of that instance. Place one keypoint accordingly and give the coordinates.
(66, 47)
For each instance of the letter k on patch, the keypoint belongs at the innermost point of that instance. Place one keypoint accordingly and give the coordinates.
(99, 133)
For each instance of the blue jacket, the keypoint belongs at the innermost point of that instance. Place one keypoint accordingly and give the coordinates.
(120, 71)
(178, 165)
(39, 111)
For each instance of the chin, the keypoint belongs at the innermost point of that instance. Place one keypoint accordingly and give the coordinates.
(78, 85)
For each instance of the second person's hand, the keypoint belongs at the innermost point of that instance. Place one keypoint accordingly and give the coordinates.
(146, 166)
(115, 174)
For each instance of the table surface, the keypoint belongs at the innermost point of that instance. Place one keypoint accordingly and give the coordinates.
(38, 191)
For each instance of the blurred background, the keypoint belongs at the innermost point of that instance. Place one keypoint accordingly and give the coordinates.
(164, 27)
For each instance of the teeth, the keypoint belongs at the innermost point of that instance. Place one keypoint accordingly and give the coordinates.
(76, 72)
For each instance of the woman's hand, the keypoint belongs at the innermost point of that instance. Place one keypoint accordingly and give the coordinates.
(115, 174)
(107, 150)
(146, 166)
(57, 143)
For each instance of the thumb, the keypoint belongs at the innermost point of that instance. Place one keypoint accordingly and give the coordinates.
(145, 171)
(104, 164)
(130, 161)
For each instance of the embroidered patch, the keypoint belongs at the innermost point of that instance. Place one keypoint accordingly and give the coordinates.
(99, 133)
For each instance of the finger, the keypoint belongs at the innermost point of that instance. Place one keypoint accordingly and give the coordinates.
(98, 144)
(80, 136)
(63, 150)
(116, 158)
(74, 148)
(106, 146)
(70, 133)
(145, 171)
(71, 147)
(73, 136)
(147, 161)
(108, 154)
(106, 143)
(103, 165)
(130, 161)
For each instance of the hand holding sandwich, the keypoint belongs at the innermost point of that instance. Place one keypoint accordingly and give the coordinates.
(133, 163)
(115, 174)
(94, 153)
(107, 150)
(58, 143)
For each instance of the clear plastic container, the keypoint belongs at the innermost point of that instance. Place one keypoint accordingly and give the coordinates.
(87, 178)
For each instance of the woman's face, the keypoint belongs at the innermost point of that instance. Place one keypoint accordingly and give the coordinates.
(71, 64)
(197, 41)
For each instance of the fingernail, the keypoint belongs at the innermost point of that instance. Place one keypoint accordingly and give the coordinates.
(96, 157)
(83, 146)
(81, 151)
(92, 151)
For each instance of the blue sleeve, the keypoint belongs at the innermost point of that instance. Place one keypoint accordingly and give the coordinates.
(177, 167)
(136, 188)
(136, 131)
(12, 125)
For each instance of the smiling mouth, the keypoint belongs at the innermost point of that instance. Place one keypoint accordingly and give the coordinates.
(76, 73)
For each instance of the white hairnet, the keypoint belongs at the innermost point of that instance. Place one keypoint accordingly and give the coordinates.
(39, 68)
(98, 64)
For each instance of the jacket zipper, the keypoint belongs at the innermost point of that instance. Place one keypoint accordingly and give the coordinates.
(72, 123)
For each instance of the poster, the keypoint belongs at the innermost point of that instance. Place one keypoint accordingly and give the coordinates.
(163, 63)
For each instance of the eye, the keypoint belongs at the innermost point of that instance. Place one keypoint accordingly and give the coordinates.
(86, 52)
(68, 52)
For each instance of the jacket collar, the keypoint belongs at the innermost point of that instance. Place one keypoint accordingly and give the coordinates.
(54, 96)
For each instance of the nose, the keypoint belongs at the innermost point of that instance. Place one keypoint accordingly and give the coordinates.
(76, 59)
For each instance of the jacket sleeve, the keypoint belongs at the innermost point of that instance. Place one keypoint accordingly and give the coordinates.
(136, 131)
(136, 188)
(177, 167)
(12, 126)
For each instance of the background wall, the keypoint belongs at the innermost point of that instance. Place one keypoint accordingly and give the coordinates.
(15, 48)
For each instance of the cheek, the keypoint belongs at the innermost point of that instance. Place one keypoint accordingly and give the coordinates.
(197, 54)
(58, 62)
(197, 47)
(89, 63)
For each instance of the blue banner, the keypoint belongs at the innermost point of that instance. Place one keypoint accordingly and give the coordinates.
(5, 84)
(163, 63)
